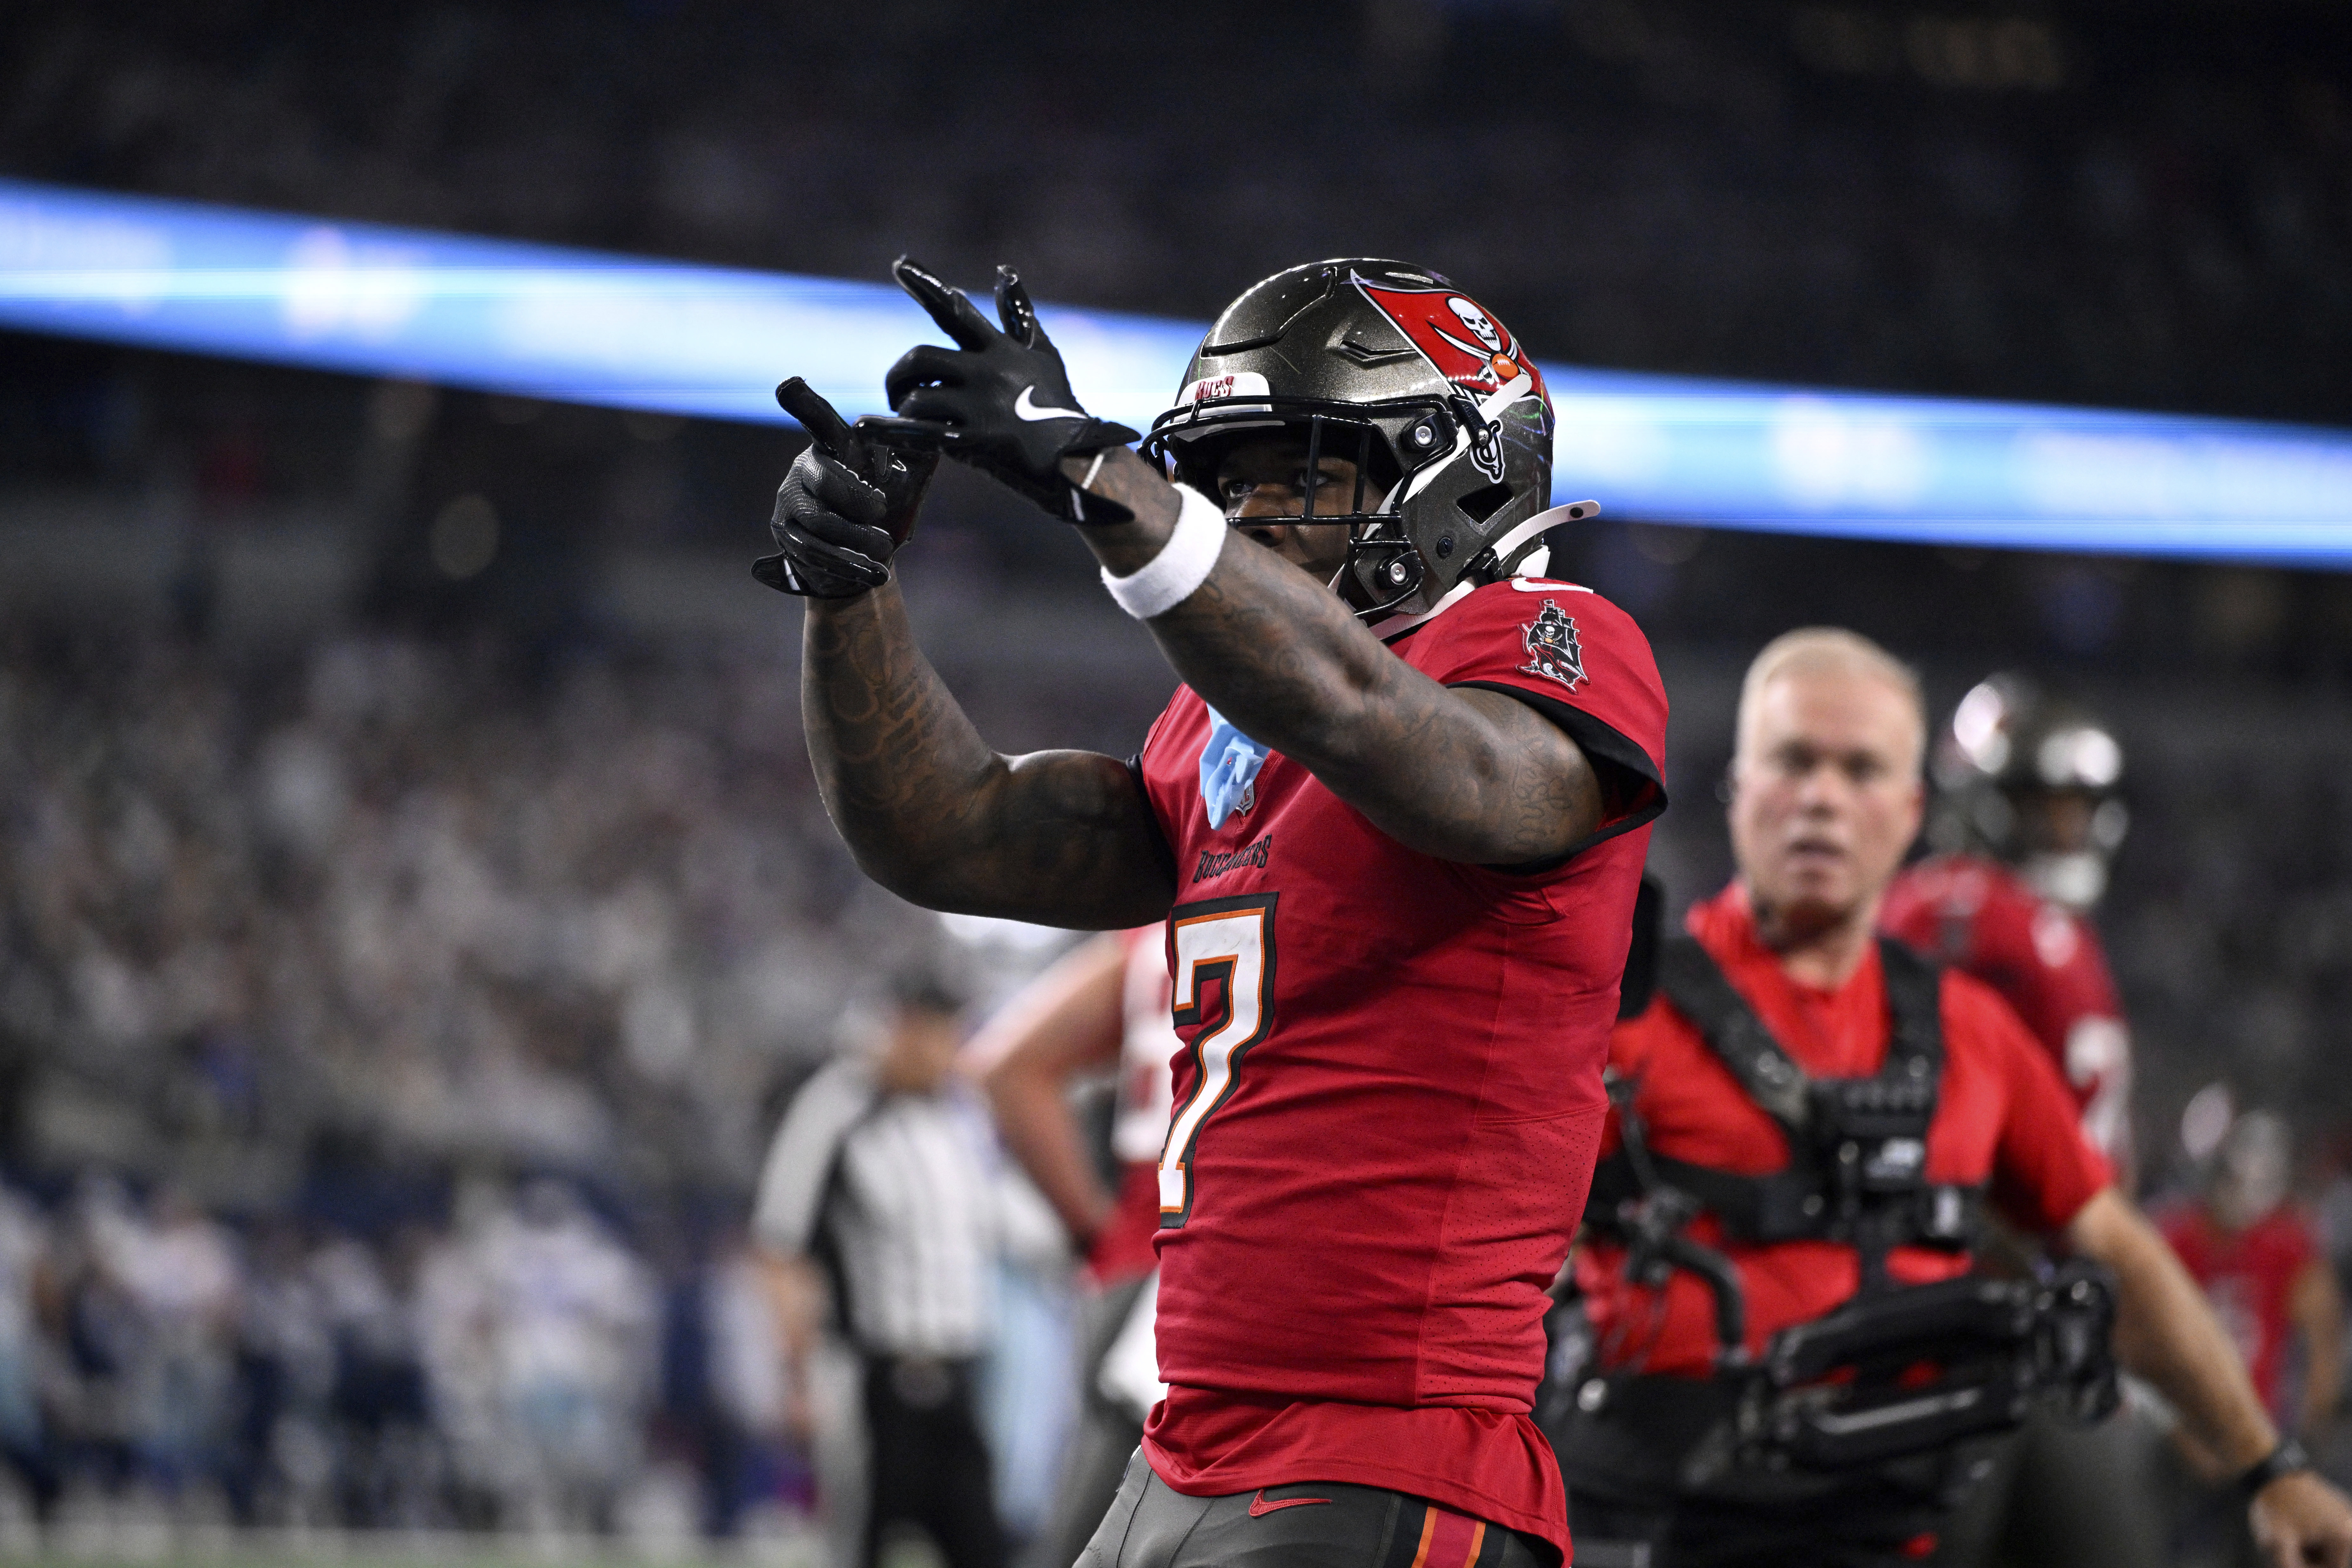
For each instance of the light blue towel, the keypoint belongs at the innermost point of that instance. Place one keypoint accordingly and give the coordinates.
(1228, 763)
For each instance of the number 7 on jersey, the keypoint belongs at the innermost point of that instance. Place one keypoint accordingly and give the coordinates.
(1225, 945)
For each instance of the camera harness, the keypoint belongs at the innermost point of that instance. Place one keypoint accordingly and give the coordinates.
(1857, 1147)
(1845, 1390)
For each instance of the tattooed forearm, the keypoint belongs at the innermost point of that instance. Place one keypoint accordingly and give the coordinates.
(1468, 776)
(934, 815)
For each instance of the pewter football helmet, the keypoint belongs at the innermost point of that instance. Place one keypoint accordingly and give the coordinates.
(1390, 365)
(2008, 741)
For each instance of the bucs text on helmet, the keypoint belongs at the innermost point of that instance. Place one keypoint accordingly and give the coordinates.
(1393, 368)
(2035, 780)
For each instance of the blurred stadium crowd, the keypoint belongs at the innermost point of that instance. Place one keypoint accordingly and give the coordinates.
(397, 987)
(390, 969)
(2063, 203)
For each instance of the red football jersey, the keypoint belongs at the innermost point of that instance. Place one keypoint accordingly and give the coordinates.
(2249, 1276)
(2000, 1115)
(1389, 1092)
(1980, 916)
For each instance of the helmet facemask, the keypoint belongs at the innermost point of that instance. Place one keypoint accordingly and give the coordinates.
(1382, 569)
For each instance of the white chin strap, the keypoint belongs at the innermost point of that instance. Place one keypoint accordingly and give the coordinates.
(1491, 410)
(1510, 391)
(1538, 561)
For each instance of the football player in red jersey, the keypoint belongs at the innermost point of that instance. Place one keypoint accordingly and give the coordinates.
(1394, 819)
(1825, 1110)
(1106, 1004)
(2030, 816)
(2263, 1268)
(2028, 812)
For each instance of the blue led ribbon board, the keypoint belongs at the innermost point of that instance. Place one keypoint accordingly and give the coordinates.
(538, 322)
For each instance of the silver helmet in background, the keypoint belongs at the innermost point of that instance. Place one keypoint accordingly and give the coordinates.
(2035, 780)
(1393, 368)
(2253, 1170)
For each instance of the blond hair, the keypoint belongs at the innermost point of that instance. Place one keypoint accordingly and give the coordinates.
(1828, 650)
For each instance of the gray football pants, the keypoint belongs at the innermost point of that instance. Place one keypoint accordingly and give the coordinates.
(1315, 1524)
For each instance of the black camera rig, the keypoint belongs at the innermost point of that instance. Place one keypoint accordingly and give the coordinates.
(1920, 1368)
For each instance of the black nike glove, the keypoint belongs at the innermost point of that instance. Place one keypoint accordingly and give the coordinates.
(1001, 400)
(845, 505)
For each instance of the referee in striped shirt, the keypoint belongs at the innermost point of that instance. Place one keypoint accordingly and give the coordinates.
(877, 1190)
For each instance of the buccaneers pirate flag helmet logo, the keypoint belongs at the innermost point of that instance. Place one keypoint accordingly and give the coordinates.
(1552, 649)
(1457, 337)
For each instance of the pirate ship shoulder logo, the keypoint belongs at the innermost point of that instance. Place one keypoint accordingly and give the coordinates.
(1552, 649)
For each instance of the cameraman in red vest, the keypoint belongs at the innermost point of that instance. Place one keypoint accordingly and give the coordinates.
(1806, 1126)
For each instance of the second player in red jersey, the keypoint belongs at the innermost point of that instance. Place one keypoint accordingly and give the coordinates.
(1103, 1005)
(2028, 815)
(1982, 918)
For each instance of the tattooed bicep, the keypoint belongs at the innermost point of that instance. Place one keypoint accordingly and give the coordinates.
(1074, 840)
(1545, 797)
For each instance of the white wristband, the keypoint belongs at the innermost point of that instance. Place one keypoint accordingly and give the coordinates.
(1183, 563)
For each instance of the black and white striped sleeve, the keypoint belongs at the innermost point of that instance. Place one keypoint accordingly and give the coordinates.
(800, 1159)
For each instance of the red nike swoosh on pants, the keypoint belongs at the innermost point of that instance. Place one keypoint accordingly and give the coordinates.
(1260, 1506)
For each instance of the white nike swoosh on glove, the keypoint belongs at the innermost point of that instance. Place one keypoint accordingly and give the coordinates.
(1030, 411)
